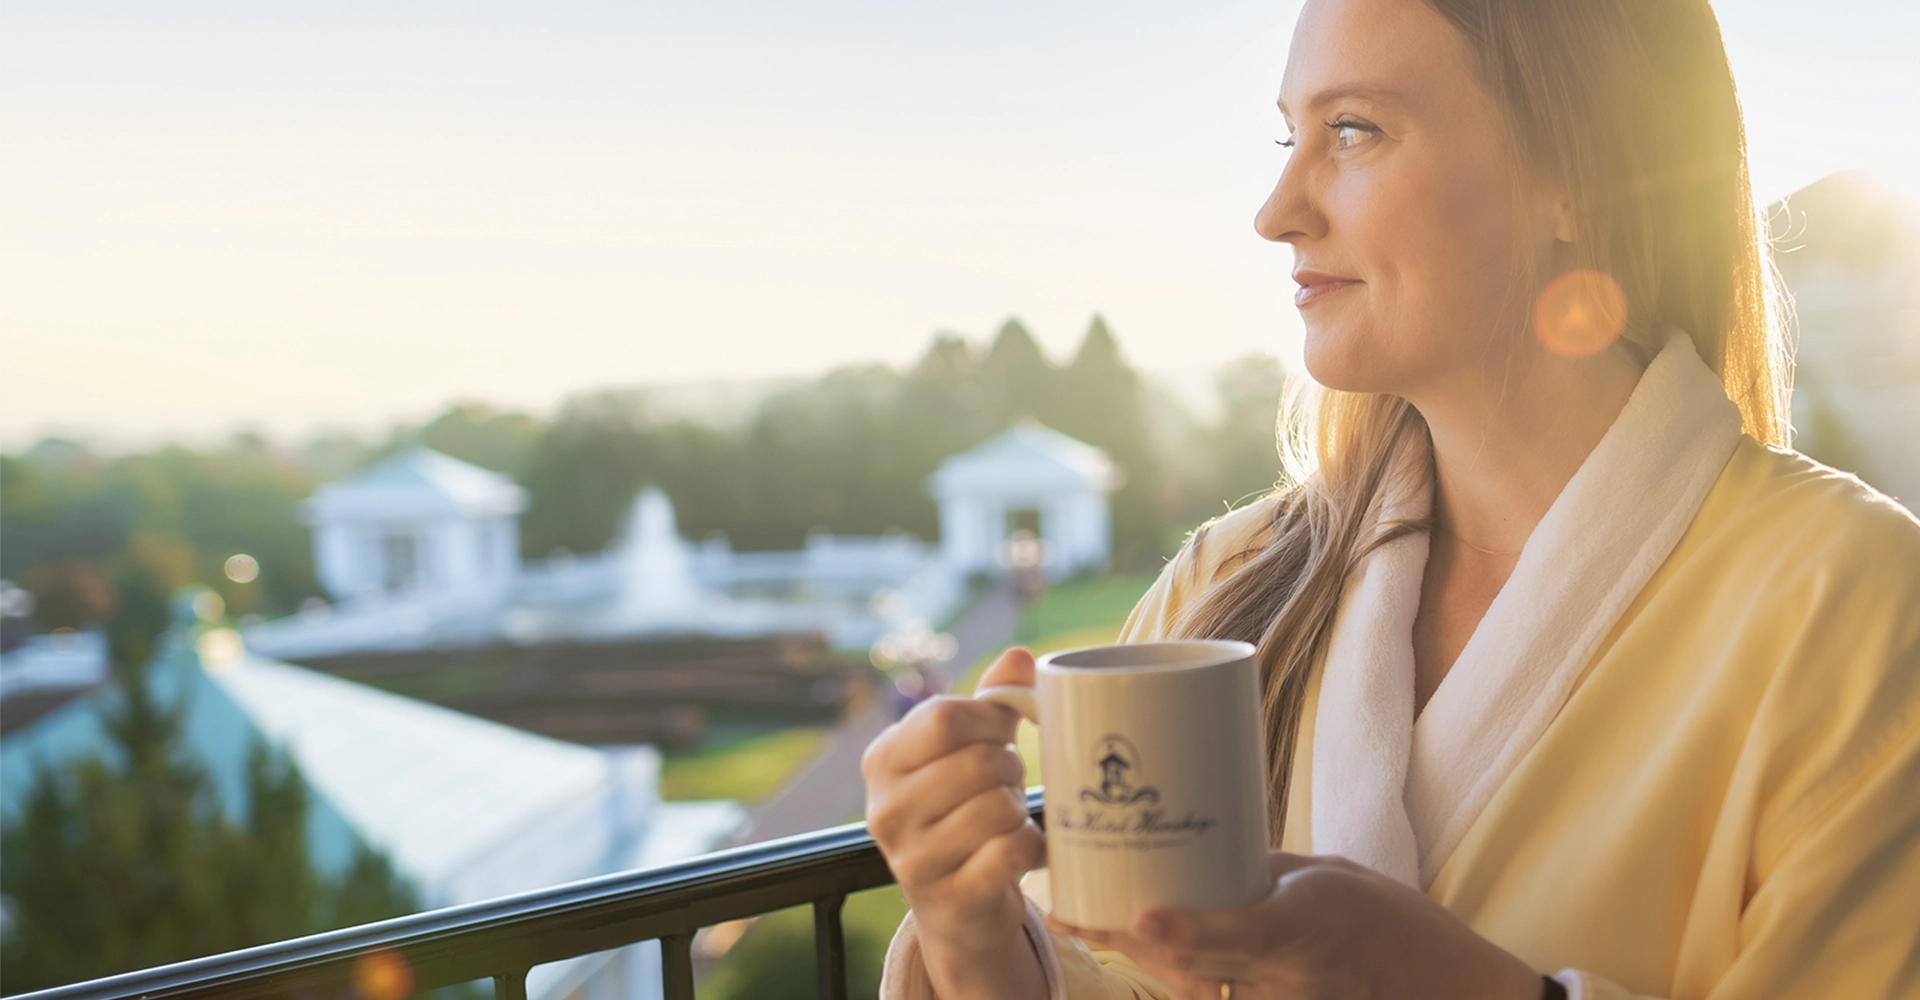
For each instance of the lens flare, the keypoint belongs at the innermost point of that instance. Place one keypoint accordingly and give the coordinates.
(221, 649)
(382, 975)
(242, 568)
(207, 606)
(1580, 313)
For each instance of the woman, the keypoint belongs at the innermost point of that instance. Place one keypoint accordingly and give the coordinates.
(1570, 668)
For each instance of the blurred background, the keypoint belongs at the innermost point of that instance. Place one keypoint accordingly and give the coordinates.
(449, 449)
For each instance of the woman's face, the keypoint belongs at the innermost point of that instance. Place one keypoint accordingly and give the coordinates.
(1398, 201)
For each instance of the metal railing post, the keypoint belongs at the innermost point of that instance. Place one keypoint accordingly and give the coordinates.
(511, 985)
(829, 948)
(676, 966)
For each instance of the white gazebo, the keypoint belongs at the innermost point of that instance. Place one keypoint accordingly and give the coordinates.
(1029, 478)
(420, 524)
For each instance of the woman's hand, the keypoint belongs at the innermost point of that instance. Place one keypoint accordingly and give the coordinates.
(1329, 928)
(946, 802)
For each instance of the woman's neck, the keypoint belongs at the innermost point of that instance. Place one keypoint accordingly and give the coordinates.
(1506, 443)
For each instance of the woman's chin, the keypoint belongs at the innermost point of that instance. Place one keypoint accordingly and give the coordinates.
(1343, 362)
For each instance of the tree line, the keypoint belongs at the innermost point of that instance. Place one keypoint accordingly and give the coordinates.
(849, 453)
(106, 538)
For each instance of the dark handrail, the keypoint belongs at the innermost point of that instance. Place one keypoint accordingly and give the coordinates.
(502, 938)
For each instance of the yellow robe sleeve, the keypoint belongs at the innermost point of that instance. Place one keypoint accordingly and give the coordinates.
(1833, 904)
(1838, 913)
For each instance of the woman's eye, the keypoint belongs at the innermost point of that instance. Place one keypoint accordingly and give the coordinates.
(1347, 135)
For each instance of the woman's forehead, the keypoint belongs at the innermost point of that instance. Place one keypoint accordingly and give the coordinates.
(1385, 52)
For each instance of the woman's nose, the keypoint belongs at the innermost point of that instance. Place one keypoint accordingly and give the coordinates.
(1266, 221)
(1287, 215)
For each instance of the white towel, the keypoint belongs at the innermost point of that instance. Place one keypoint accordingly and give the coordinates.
(1397, 795)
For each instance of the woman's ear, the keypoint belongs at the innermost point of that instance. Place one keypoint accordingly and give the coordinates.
(1563, 230)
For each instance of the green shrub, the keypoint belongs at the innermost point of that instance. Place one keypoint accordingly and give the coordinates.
(773, 960)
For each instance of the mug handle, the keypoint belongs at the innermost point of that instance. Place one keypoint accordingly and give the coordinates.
(1018, 697)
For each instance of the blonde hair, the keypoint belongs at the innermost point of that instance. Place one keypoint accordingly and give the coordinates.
(1628, 107)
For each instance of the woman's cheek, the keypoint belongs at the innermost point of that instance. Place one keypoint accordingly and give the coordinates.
(1358, 344)
(1447, 229)
(1370, 215)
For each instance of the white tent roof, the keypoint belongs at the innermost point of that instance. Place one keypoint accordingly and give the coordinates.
(431, 787)
(419, 482)
(1027, 458)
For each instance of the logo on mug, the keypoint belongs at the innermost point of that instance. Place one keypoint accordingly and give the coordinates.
(1114, 756)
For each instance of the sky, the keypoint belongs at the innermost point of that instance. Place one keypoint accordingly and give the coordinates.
(296, 215)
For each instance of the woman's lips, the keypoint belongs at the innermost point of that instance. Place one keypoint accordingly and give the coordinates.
(1316, 287)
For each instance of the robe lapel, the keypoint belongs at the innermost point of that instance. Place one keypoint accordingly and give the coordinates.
(1398, 795)
(1363, 730)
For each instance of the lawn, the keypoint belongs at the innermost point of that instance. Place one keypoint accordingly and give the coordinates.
(745, 770)
(1097, 604)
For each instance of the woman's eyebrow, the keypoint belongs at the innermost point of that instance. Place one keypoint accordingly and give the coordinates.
(1366, 92)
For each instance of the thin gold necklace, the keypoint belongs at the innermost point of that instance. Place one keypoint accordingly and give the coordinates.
(1438, 527)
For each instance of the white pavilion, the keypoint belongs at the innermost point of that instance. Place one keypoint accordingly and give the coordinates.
(421, 551)
(1056, 482)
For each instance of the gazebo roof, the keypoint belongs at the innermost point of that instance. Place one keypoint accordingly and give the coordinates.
(1024, 460)
(416, 483)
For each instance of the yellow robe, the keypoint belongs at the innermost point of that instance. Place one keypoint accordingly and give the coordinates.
(1728, 805)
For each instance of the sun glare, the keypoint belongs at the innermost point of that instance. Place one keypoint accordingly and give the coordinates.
(1580, 313)
(382, 975)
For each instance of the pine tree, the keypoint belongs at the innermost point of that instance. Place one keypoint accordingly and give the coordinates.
(1101, 403)
(475, 432)
(1019, 380)
(944, 404)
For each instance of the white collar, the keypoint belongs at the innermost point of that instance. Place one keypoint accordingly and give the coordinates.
(1398, 796)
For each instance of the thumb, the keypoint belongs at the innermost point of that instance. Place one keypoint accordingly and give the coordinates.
(1014, 667)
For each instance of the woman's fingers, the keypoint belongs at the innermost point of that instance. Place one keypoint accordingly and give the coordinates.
(1303, 883)
(1245, 931)
(940, 849)
(1250, 943)
(1185, 973)
(1330, 927)
(1015, 666)
(935, 728)
(1004, 858)
(1281, 863)
(930, 793)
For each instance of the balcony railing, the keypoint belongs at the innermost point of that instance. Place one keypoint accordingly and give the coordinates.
(502, 939)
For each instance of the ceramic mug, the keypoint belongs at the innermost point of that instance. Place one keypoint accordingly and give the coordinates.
(1156, 785)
